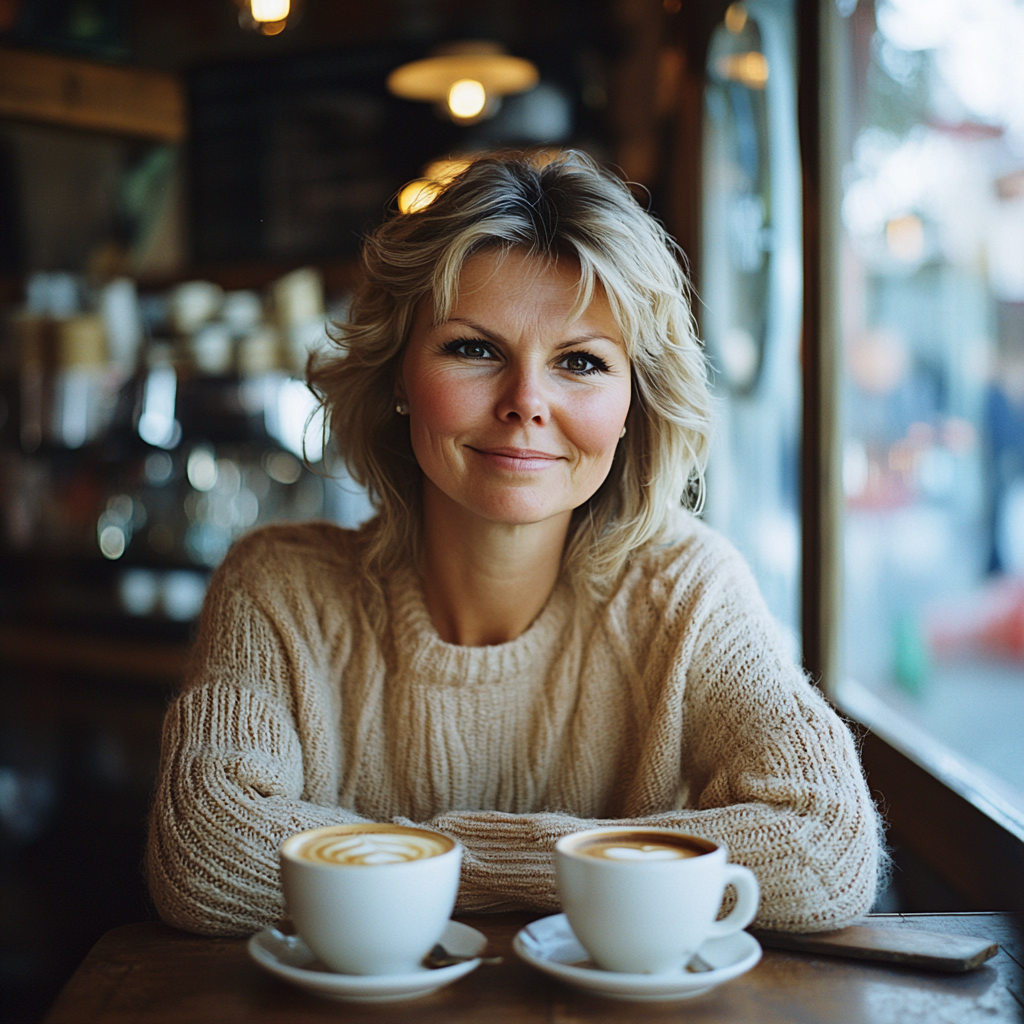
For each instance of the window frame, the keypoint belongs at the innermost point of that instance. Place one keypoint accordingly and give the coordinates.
(934, 800)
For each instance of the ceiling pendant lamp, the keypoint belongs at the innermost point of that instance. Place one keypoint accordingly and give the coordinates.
(268, 17)
(466, 80)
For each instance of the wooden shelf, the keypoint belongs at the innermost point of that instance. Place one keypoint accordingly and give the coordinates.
(55, 650)
(97, 97)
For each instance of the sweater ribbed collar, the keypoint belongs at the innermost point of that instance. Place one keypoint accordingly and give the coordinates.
(418, 641)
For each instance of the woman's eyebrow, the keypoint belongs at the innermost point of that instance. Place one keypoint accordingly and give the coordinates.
(580, 339)
(472, 325)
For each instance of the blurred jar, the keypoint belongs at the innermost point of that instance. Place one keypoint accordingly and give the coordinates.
(212, 349)
(193, 303)
(68, 386)
(259, 351)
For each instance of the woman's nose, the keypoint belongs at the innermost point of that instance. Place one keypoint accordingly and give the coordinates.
(523, 399)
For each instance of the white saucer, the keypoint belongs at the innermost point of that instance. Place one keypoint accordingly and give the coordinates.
(550, 946)
(288, 957)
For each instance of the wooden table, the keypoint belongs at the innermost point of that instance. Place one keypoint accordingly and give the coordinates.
(152, 974)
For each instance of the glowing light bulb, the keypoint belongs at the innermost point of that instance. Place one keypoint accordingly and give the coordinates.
(417, 195)
(270, 10)
(467, 98)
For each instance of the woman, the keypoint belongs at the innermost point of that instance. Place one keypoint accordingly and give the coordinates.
(532, 637)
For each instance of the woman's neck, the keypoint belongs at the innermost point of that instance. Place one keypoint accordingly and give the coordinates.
(485, 582)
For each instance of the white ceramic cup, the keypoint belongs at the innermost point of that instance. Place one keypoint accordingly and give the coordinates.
(647, 913)
(376, 911)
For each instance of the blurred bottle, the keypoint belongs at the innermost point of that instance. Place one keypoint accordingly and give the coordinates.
(83, 392)
(122, 321)
(155, 429)
(68, 380)
(299, 308)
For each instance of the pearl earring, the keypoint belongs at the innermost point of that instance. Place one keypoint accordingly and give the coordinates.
(402, 409)
(622, 432)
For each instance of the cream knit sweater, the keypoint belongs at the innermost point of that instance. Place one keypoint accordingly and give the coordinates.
(674, 703)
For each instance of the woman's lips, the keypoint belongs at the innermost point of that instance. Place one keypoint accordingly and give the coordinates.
(522, 459)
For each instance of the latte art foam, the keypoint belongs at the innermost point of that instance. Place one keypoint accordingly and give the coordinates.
(648, 851)
(364, 849)
(642, 847)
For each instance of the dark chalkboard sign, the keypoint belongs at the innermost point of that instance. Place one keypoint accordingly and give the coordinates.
(294, 159)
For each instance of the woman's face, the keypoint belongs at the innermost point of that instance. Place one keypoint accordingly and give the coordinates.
(515, 412)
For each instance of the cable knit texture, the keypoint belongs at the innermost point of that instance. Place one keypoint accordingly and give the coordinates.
(671, 703)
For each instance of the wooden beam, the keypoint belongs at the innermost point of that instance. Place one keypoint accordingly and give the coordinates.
(53, 650)
(818, 112)
(97, 97)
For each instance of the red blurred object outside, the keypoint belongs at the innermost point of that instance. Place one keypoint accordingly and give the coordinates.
(993, 624)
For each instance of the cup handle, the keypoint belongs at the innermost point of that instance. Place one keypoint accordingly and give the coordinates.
(748, 897)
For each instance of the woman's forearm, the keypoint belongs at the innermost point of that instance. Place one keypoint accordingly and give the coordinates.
(230, 792)
(815, 874)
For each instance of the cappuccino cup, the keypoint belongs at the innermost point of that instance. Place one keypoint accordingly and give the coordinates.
(369, 898)
(642, 900)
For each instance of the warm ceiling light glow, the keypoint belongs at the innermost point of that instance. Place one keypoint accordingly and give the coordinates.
(444, 171)
(735, 18)
(417, 195)
(749, 69)
(270, 10)
(421, 192)
(473, 68)
(467, 98)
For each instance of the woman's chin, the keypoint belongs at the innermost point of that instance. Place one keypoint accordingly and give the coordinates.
(508, 506)
(517, 512)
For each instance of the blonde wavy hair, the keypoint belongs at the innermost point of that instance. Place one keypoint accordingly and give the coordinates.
(561, 208)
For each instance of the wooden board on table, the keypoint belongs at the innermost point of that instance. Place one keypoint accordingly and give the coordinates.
(909, 946)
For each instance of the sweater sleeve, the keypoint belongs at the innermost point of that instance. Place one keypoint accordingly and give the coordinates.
(814, 845)
(233, 782)
(772, 773)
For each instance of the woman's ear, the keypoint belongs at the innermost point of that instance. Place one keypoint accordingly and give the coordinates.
(401, 402)
(399, 389)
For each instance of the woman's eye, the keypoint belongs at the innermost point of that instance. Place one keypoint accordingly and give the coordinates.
(580, 362)
(469, 349)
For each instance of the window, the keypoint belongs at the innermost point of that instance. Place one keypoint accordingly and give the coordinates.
(931, 287)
